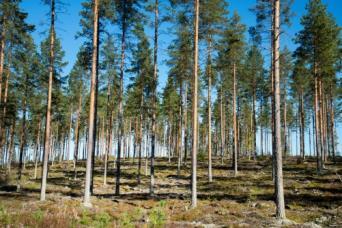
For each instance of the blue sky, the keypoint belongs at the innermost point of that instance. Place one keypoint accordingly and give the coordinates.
(68, 26)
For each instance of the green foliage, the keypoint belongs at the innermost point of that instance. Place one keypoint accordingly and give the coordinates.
(85, 218)
(157, 215)
(38, 215)
(126, 221)
(5, 218)
(102, 219)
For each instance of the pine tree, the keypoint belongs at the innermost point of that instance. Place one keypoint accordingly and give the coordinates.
(212, 20)
(318, 47)
(194, 111)
(93, 102)
(127, 12)
(230, 55)
(279, 188)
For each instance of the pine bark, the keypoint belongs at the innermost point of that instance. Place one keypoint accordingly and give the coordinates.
(235, 127)
(194, 111)
(279, 188)
(302, 125)
(36, 158)
(49, 102)
(154, 95)
(92, 109)
(210, 177)
(120, 112)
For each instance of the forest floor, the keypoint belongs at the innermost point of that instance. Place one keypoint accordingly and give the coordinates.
(244, 201)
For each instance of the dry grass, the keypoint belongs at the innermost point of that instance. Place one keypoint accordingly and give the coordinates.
(246, 200)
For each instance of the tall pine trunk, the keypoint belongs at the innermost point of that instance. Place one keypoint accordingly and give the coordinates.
(254, 123)
(77, 133)
(22, 136)
(194, 111)
(332, 124)
(154, 98)
(120, 112)
(108, 132)
(279, 188)
(235, 127)
(317, 128)
(49, 102)
(210, 176)
(222, 124)
(302, 125)
(92, 108)
(10, 146)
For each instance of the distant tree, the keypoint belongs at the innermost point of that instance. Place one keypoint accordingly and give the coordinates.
(230, 55)
(319, 45)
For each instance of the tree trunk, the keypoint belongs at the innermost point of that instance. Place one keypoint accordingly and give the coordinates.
(320, 104)
(222, 124)
(332, 123)
(194, 111)
(108, 132)
(49, 101)
(120, 113)
(317, 129)
(261, 133)
(179, 129)
(10, 147)
(154, 95)
(22, 139)
(210, 176)
(3, 124)
(36, 158)
(285, 122)
(235, 127)
(254, 123)
(77, 134)
(92, 110)
(279, 189)
(302, 126)
(185, 114)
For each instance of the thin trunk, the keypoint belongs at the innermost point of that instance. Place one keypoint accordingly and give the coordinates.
(179, 130)
(317, 129)
(261, 133)
(310, 143)
(254, 124)
(77, 133)
(332, 123)
(285, 123)
(154, 98)
(279, 188)
(140, 135)
(22, 140)
(222, 124)
(210, 175)
(92, 109)
(120, 112)
(36, 158)
(108, 132)
(302, 126)
(194, 110)
(235, 128)
(10, 147)
(48, 108)
(185, 114)
(320, 119)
